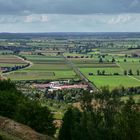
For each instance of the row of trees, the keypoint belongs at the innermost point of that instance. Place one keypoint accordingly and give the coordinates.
(86, 56)
(101, 60)
(102, 116)
(15, 68)
(129, 72)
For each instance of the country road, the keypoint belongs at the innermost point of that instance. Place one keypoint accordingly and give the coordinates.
(80, 74)
(26, 61)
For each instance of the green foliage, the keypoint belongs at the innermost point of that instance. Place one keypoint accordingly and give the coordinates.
(70, 127)
(14, 105)
(36, 116)
(102, 117)
(138, 72)
(129, 121)
(125, 72)
(9, 98)
(1, 138)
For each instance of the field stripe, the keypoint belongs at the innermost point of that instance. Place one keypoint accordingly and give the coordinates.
(127, 74)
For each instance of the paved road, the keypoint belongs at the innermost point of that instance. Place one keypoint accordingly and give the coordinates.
(81, 75)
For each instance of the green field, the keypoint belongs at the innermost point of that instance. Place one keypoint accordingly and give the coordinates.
(44, 68)
(113, 81)
(92, 65)
(54, 67)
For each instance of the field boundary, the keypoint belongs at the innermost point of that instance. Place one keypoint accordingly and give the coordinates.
(127, 74)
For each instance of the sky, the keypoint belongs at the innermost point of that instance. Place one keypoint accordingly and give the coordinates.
(69, 15)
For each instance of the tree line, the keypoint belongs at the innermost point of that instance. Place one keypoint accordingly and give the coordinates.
(102, 116)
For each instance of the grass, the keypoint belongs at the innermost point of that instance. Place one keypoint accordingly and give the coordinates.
(40, 75)
(114, 81)
(107, 70)
(98, 65)
(42, 67)
(134, 66)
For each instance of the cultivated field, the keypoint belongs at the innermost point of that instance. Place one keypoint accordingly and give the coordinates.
(10, 61)
(44, 68)
(113, 71)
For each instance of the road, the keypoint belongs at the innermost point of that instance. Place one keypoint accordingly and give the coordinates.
(26, 61)
(81, 75)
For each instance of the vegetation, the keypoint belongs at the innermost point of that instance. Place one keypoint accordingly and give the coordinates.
(44, 67)
(109, 59)
(102, 116)
(14, 105)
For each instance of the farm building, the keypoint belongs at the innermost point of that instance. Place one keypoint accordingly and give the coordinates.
(53, 86)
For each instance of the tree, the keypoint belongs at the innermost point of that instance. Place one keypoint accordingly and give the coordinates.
(1, 138)
(9, 98)
(130, 72)
(98, 72)
(36, 116)
(15, 105)
(100, 60)
(102, 116)
(126, 55)
(125, 60)
(70, 123)
(129, 121)
(103, 72)
(113, 60)
(125, 72)
(138, 72)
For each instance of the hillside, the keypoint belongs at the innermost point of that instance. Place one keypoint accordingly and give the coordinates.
(11, 130)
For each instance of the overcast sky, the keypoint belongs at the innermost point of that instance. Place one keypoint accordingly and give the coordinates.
(69, 15)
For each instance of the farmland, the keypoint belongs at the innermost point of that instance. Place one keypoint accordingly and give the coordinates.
(105, 60)
(10, 61)
(44, 68)
(113, 72)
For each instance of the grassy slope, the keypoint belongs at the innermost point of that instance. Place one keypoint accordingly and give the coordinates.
(11, 130)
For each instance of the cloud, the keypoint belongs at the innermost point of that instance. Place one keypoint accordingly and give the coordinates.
(36, 18)
(118, 19)
(33, 18)
(26, 7)
(69, 23)
(10, 19)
